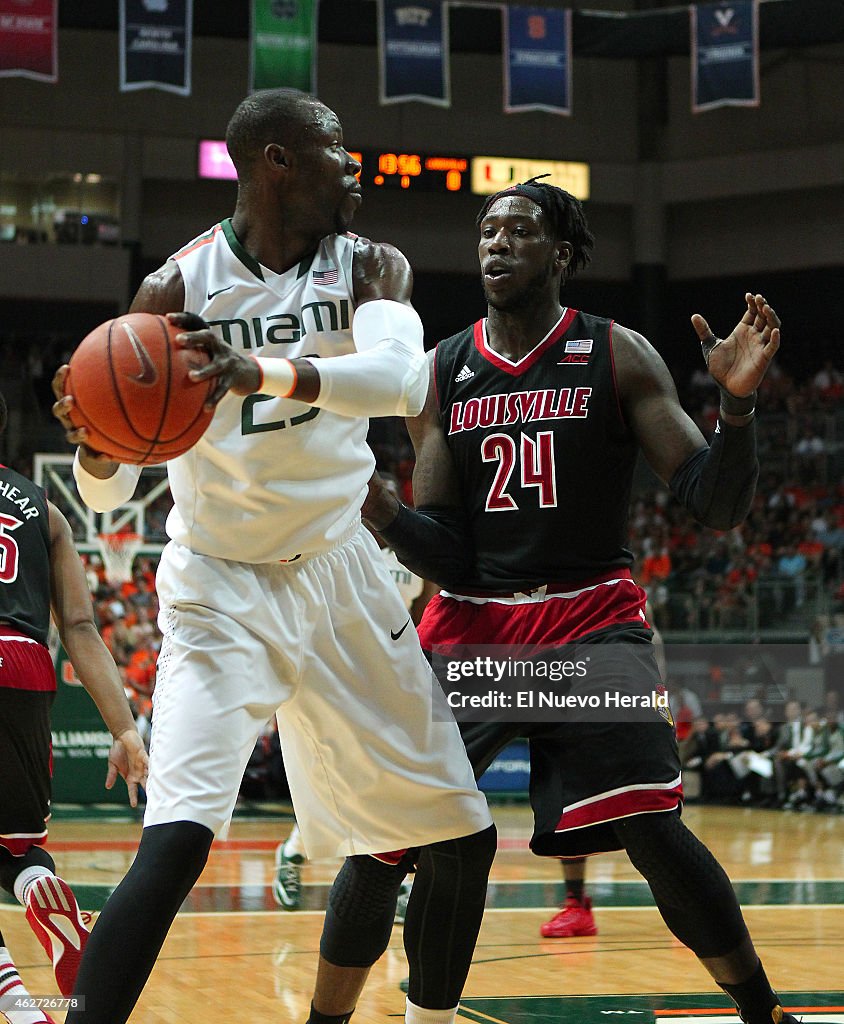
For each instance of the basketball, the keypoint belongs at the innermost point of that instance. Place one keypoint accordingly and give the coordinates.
(131, 390)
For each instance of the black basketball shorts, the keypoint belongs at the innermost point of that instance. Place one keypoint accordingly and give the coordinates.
(27, 691)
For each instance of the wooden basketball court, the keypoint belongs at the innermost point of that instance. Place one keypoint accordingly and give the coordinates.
(232, 955)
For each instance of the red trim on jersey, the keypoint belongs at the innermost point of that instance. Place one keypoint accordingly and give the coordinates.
(392, 858)
(24, 663)
(602, 809)
(527, 361)
(206, 240)
(447, 621)
(615, 379)
(434, 376)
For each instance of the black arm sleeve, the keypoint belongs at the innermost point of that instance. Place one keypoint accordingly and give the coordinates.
(717, 483)
(431, 541)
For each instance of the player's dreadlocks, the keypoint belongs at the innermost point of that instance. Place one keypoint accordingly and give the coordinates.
(565, 213)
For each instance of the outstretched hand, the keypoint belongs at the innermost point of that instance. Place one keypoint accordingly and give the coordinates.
(739, 362)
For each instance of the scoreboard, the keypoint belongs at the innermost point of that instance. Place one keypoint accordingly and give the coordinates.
(431, 172)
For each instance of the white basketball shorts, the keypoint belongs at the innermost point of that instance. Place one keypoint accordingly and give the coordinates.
(327, 643)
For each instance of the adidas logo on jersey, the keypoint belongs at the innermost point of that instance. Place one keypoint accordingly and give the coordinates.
(465, 374)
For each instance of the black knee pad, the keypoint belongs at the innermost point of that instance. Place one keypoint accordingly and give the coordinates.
(691, 889)
(11, 867)
(361, 909)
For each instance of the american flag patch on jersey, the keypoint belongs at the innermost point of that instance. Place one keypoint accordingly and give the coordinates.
(328, 275)
(579, 345)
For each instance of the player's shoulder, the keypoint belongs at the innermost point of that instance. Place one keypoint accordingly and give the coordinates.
(372, 254)
(590, 322)
(448, 346)
(197, 244)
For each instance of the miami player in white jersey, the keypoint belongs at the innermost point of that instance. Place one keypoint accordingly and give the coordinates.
(273, 595)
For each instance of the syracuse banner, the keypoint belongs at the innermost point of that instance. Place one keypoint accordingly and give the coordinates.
(155, 45)
(29, 39)
(413, 51)
(283, 44)
(725, 55)
(537, 59)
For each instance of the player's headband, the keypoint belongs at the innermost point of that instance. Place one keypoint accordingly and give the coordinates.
(528, 189)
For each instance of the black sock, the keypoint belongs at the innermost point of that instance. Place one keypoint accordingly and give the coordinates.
(574, 888)
(755, 998)
(315, 1017)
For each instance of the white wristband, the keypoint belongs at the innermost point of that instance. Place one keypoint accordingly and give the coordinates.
(278, 377)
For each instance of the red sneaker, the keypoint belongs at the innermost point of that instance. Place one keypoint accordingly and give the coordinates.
(575, 918)
(59, 926)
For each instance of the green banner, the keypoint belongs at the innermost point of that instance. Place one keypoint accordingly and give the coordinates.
(283, 44)
(81, 744)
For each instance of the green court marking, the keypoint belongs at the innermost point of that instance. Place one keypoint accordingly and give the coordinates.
(632, 1008)
(501, 896)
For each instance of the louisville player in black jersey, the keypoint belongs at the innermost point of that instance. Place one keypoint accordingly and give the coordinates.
(525, 456)
(41, 572)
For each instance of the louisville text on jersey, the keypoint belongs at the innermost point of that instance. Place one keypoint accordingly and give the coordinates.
(519, 407)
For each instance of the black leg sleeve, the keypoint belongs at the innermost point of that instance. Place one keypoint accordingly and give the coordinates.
(444, 917)
(691, 889)
(133, 925)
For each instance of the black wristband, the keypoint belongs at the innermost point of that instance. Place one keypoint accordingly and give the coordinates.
(734, 406)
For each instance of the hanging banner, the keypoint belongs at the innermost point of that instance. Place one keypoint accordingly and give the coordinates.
(29, 39)
(283, 44)
(413, 52)
(155, 45)
(725, 55)
(537, 59)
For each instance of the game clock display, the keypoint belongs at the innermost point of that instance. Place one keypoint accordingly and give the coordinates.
(417, 171)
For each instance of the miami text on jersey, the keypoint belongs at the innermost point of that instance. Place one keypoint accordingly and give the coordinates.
(285, 328)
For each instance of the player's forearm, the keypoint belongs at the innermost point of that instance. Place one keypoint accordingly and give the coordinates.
(432, 542)
(97, 672)
(717, 483)
(387, 376)
(104, 494)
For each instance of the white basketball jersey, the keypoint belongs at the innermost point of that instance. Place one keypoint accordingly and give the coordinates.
(271, 478)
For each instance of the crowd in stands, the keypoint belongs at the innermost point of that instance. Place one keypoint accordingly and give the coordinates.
(788, 550)
(791, 759)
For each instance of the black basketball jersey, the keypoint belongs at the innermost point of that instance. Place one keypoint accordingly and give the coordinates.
(24, 556)
(542, 451)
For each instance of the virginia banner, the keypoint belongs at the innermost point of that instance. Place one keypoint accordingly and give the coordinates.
(537, 59)
(155, 45)
(29, 39)
(725, 55)
(413, 51)
(283, 44)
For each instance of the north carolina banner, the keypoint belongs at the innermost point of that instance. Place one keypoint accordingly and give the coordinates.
(29, 39)
(413, 51)
(155, 45)
(537, 59)
(283, 44)
(725, 55)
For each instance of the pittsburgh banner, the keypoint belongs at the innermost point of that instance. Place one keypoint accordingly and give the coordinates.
(725, 55)
(413, 51)
(155, 45)
(283, 44)
(537, 59)
(29, 39)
